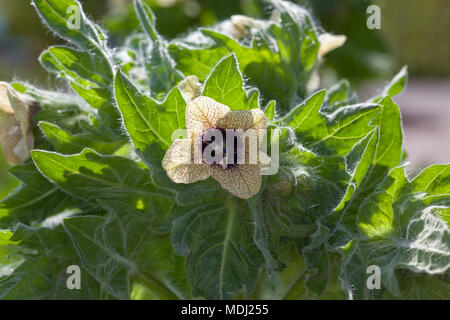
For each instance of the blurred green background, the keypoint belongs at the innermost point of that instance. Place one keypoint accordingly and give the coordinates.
(413, 33)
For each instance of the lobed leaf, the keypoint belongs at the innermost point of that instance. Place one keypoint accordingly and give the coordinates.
(67, 143)
(225, 85)
(121, 251)
(108, 177)
(36, 199)
(221, 259)
(145, 119)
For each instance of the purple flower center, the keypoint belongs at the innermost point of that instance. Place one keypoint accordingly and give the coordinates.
(208, 138)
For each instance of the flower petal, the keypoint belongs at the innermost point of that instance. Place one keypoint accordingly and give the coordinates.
(203, 113)
(259, 120)
(330, 42)
(240, 26)
(5, 105)
(264, 160)
(240, 119)
(179, 165)
(243, 181)
(16, 127)
(13, 144)
(259, 126)
(244, 119)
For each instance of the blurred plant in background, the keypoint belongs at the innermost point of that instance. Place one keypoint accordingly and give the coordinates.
(417, 33)
(364, 55)
(178, 16)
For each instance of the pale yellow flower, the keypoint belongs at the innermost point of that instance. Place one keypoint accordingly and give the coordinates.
(16, 129)
(190, 88)
(242, 179)
(330, 42)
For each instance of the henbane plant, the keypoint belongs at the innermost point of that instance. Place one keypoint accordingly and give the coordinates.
(100, 190)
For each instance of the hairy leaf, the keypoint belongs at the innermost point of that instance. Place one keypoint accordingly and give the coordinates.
(35, 200)
(220, 256)
(147, 120)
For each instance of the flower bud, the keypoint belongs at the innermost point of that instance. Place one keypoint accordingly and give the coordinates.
(240, 26)
(190, 88)
(330, 42)
(16, 127)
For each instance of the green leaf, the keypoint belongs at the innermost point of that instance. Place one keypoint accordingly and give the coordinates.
(396, 86)
(263, 67)
(310, 186)
(283, 52)
(269, 111)
(421, 245)
(193, 61)
(334, 133)
(340, 95)
(104, 122)
(145, 119)
(9, 258)
(91, 176)
(317, 262)
(122, 251)
(8, 182)
(67, 143)
(147, 19)
(389, 148)
(58, 13)
(87, 69)
(162, 74)
(76, 66)
(371, 204)
(358, 162)
(433, 180)
(401, 229)
(46, 255)
(261, 234)
(35, 200)
(319, 185)
(415, 286)
(65, 110)
(287, 284)
(388, 154)
(398, 83)
(295, 36)
(225, 85)
(97, 98)
(161, 70)
(220, 258)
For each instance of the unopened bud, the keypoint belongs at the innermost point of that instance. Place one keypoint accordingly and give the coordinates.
(190, 88)
(330, 42)
(16, 128)
(240, 26)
